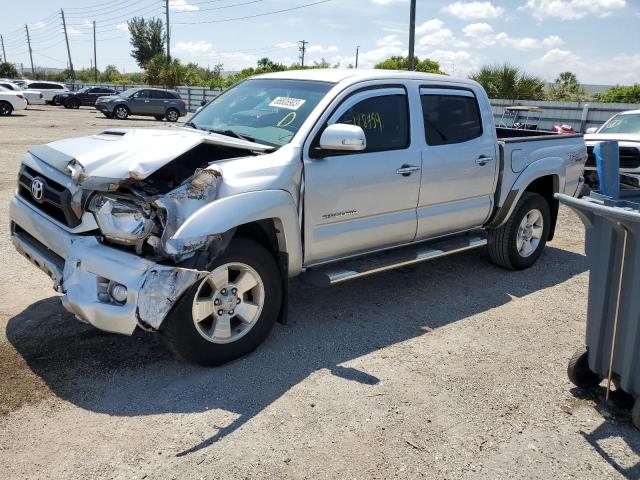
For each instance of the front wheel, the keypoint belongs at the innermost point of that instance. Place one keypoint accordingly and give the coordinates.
(579, 372)
(519, 243)
(231, 311)
(159, 117)
(121, 112)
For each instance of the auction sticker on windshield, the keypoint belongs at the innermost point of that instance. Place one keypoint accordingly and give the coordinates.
(287, 102)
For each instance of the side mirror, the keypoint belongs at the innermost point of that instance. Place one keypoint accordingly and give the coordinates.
(342, 137)
(592, 130)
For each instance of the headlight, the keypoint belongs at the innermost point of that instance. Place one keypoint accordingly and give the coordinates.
(122, 220)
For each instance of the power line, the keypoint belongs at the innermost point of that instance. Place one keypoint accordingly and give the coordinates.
(220, 8)
(256, 15)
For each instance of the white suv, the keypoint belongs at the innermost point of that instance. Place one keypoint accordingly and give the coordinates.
(48, 89)
(10, 101)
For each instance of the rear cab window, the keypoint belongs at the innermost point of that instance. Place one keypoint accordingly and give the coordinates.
(450, 116)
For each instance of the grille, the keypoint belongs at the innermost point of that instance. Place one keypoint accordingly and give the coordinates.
(56, 199)
(629, 157)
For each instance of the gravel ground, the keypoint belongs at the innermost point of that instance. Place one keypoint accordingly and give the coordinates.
(449, 369)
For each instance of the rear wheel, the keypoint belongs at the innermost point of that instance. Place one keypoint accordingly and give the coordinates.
(579, 372)
(121, 112)
(75, 103)
(172, 115)
(231, 311)
(635, 414)
(5, 108)
(519, 243)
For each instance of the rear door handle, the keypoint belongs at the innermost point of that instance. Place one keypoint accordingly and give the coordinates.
(407, 170)
(483, 160)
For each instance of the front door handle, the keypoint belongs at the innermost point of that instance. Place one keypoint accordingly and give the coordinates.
(407, 170)
(483, 160)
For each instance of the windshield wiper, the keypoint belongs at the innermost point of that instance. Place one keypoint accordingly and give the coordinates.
(231, 133)
(193, 125)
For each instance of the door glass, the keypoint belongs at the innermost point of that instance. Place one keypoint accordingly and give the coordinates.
(384, 119)
(142, 94)
(450, 119)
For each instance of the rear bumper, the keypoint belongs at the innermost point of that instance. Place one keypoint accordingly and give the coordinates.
(81, 268)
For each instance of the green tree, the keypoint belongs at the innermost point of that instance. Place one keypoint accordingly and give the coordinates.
(507, 81)
(8, 70)
(402, 63)
(173, 73)
(154, 68)
(566, 88)
(111, 74)
(619, 94)
(147, 39)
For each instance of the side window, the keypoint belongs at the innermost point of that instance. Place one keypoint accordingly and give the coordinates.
(384, 119)
(142, 94)
(450, 118)
(157, 94)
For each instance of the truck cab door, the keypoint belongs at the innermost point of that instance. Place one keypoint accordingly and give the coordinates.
(356, 202)
(459, 163)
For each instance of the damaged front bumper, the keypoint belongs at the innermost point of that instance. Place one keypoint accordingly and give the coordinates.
(83, 269)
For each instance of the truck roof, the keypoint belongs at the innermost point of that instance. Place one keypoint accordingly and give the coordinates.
(335, 75)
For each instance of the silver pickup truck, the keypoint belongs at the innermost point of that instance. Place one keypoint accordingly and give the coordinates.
(330, 175)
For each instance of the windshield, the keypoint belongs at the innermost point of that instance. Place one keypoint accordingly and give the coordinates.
(129, 92)
(260, 110)
(629, 123)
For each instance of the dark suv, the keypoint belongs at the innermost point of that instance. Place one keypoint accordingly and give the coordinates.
(152, 102)
(85, 96)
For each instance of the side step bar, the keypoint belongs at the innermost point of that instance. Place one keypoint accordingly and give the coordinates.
(332, 274)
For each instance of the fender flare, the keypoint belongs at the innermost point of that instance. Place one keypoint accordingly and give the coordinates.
(230, 212)
(551, 166)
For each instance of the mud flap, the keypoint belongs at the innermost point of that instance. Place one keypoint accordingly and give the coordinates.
(283, 264)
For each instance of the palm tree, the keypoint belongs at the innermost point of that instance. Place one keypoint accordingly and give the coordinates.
(509, 82)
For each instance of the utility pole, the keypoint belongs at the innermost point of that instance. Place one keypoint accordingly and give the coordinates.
(33, 70)
(95, 57)
(302, 46)
(412, 34)
(166, 6)
(357, 53)
(4, 55)
(66, 38)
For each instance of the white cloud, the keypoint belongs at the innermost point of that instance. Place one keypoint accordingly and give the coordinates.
(123, 27)
(434, 33)
(621, 68)
(322, 49)
(482, 35)
(389, 40)
(182, 6)
(286, 45)
(200, 47)
(473, 10)
(454, 62)
(388, 2)
(38, 25)
(572, 9)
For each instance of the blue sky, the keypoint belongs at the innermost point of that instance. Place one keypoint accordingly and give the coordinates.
(597, 39)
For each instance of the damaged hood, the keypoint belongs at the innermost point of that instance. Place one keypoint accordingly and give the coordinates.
(119, 154)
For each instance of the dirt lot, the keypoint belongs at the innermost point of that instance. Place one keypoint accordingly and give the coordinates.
(450, 369)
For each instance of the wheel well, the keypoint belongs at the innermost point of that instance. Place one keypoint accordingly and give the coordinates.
(121, 105)
(262, 231)
(547, 186)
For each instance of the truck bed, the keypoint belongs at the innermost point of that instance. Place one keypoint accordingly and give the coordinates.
(519, 135)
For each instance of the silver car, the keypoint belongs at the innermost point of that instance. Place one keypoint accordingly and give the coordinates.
(149, 102)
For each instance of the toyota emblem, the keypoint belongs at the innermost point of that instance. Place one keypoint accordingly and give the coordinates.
(37, 189)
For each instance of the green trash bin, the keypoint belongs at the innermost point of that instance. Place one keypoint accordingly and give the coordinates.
(612, 244)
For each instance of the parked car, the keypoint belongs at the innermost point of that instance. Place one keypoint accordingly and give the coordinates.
(152, 102)
(10, 101)
(329, 174)
(85, 96)
(48, 89)
(625, 129)
(33, 97)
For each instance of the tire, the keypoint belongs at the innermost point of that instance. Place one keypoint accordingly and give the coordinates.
(172, 115)
(121, 112)
(55, 101)
(75, 104)
(5, 109)
(635, 414)
(197, 341)
(159, 117)
(67, 104)
(108, 115)
(504, 245)
(579, 372)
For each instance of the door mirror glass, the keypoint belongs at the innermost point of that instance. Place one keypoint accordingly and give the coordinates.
(342, 137)
(592, 130)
